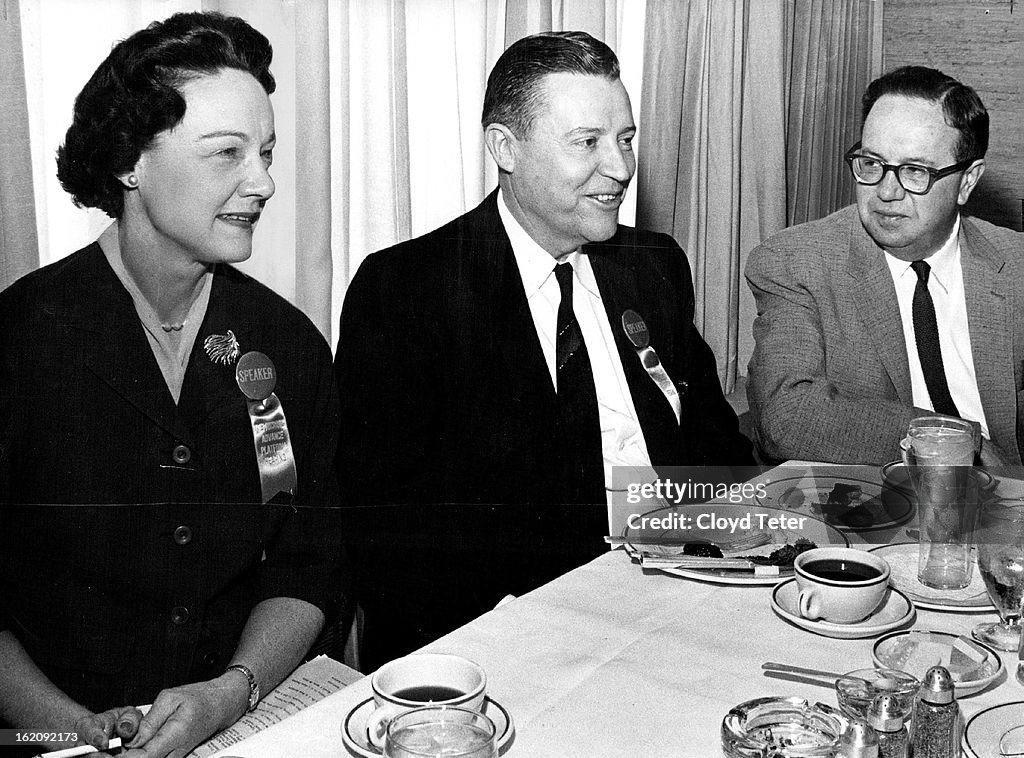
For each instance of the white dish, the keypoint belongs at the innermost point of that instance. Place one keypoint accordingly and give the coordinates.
(886, 651)
(896, 475)
(691, 518)
(986, 728)
(356, 739)
(902, 560)
(896, 610)
(871, 508)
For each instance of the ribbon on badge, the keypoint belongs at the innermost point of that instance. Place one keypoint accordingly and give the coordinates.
(635, 328)
(257, 378)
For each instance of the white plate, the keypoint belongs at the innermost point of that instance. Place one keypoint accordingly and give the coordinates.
(902, 560)
(356, 739)
(896, 475)
(693, 529)
(873, 508)
(993, 663)
(896, 611)
(986, 728)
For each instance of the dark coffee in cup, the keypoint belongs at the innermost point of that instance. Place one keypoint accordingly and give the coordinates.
(841, 585)
(836, 570)
(420, 679)
(429, 693)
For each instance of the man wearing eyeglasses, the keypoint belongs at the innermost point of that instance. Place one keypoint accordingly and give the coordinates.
(897, 306)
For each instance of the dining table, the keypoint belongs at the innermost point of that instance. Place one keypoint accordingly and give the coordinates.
(612, 659)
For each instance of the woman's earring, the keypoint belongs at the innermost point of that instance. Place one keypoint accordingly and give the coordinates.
(132, 181)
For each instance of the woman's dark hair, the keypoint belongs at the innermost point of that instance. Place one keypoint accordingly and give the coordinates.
(134, 95)
(962, 109)
(513, 96)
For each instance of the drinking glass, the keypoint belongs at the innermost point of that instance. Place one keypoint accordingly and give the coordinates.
(441, 731)
(940, 456)
(1000, 536)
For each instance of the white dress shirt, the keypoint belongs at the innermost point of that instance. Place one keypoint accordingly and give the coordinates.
(946, 286)
(622, 439)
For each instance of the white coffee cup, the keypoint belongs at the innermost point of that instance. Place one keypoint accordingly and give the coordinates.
(422, 679)
(840, 584)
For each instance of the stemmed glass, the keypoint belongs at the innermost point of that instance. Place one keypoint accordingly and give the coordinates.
(438, 731)
(1000, 538)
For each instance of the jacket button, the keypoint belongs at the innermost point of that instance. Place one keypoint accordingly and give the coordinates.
(179, 615)
(183, 535)
(181, 454)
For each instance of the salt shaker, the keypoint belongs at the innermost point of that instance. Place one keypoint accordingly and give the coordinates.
(886, 718)
(858, 740)
(936, 717)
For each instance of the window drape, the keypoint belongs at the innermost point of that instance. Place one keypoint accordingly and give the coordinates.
(747, 107)
(378, 107)
(18, 242)
(833, 51)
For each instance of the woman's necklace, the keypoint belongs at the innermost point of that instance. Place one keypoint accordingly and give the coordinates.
(173, 327)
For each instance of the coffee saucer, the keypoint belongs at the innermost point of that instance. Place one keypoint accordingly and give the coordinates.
(896, 610)
(357, 740)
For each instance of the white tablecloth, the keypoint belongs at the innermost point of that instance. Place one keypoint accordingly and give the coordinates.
(609, 661)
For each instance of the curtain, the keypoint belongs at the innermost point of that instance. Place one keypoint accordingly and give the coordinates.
(378, 107)
(745, 106)
(834, 52)
(377, 110)
(18, 243)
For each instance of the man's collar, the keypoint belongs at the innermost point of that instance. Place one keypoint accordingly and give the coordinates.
(535, 263)
(942, 262)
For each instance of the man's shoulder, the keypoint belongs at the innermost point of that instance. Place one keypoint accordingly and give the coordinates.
(478, 228)
(820, 233)
(1007, 241)
(632, 238)
(810, 252)
(645, 255)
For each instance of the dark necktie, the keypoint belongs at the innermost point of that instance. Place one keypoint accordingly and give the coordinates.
(926, 332)
(578, 422)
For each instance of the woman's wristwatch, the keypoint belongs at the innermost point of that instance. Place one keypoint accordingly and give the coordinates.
(254, 686)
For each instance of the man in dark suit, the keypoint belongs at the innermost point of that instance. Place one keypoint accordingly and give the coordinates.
(470, 475)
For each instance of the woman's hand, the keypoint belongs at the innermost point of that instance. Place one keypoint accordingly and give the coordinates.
(96, 729)
(183, 717)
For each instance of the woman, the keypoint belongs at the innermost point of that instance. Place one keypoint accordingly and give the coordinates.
(182, 415)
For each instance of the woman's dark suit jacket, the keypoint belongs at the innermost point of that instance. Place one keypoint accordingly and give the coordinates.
(133, 540)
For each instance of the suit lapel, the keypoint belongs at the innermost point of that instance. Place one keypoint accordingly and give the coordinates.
(878, 309)
(488, 305)
(210, 384)
(621, 291)
(102, 315)
(990, 321)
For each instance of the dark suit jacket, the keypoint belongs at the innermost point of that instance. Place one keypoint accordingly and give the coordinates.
(829, 378)
(124, 570)
(448, 414)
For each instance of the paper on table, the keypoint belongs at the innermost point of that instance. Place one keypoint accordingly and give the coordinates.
(309, 683)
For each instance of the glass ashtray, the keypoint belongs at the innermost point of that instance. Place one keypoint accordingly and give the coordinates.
(856, 690)
(786, 727)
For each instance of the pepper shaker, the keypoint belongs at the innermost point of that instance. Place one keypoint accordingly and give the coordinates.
(937, 728)
(858, 740)
(886, 717)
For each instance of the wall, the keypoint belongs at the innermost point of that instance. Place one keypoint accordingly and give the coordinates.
(981, 44)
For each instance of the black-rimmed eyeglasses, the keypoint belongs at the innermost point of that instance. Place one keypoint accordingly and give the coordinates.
(913, 177)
